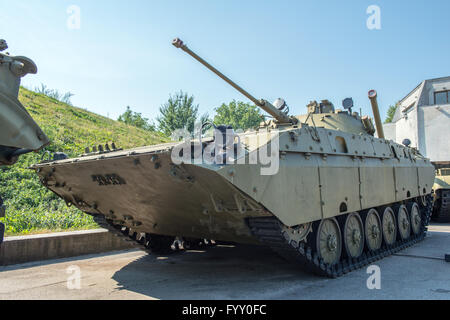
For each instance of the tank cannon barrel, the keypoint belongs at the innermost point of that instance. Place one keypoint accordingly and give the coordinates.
(376, 113)
(263, 104)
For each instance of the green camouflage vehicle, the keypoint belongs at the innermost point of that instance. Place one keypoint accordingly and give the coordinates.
(19, 134)
(319, 189)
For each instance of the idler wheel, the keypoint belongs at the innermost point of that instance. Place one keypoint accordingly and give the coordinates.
(353, 235)
(389, 226)
(373, 230)
(329, 241)
(403, 222)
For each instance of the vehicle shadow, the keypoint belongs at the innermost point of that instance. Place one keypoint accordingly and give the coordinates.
(221, 272)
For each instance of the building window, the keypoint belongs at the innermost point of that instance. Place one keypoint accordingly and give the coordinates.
(442, 97)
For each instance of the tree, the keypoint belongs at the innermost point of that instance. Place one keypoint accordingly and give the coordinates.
(179, 112)
(390, 113)
(54, 94)
(136, 119)
(239, 115)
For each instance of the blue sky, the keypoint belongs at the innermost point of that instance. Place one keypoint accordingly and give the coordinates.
(299, 50)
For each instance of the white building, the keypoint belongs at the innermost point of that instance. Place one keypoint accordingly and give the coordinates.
(423, 117)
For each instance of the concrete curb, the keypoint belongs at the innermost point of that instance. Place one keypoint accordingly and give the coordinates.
(15, 250)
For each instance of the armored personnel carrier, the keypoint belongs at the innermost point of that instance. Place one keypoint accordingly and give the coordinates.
(19, 134)
(319, 189)
(441, 188)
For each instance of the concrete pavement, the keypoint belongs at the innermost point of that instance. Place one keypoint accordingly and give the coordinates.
(227, 272)
(39, 247)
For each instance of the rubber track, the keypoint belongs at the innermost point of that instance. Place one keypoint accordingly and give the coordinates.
(269, 232)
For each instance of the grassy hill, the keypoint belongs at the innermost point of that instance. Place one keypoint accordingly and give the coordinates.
(31, 208)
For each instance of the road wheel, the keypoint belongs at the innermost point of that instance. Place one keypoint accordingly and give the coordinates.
(389, 226)
(422, 200)
(353, 235)
(372, 230)
(329, 241)
(415, 218)
(403, 223)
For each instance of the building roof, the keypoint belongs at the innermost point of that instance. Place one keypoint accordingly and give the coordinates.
(428, 80)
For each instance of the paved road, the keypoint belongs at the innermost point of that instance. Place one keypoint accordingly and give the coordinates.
(226, 272)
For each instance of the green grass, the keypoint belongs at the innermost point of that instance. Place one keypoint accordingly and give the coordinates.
(31, 208)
